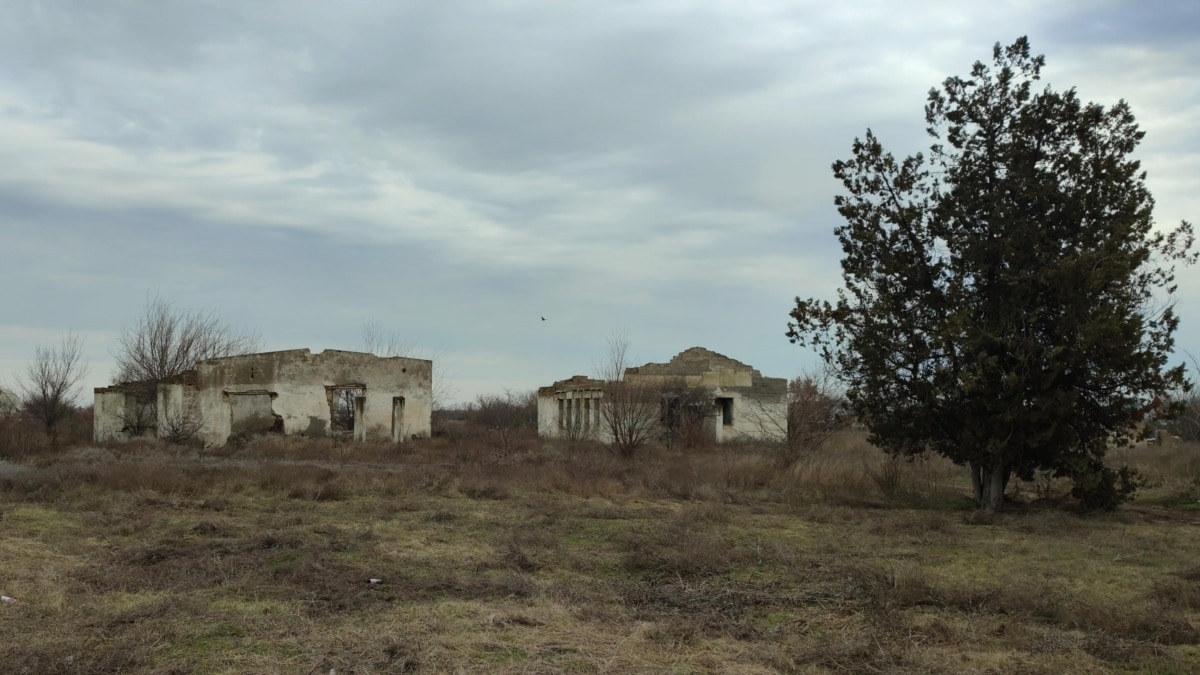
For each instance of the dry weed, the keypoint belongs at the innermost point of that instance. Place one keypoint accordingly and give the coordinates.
(446, 556)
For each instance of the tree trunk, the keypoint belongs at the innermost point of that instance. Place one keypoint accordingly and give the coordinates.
(988, 483)
(977, 483)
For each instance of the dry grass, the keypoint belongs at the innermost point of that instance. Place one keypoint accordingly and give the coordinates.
(562, 558)
(1171, 472)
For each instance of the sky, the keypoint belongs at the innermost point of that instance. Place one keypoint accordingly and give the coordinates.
(452, 172)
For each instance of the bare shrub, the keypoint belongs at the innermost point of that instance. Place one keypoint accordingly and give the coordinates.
(507, 417)
(449, 422)
(78, 428)
(887, 474)
(180, 423)
(629, 412)
(51, 383)
(815, 411)
(19, 437)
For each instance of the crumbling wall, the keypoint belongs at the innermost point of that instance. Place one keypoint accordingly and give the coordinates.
(570, 409)
(277, 392)
(745, 404)
(700, 367)
(290, 390)
(10, 403)
(121, 413)
(108, 414)
(178, 411)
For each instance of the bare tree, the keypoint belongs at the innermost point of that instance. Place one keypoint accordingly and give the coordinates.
(629, 411)
(815, 412)
(51, 383)
(168, 340)
(380, 342)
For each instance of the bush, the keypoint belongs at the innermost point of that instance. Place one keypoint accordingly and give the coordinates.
(507, 419)
(1100, 487)
(19, 437)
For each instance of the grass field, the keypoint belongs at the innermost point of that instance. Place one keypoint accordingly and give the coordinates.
(557, 558)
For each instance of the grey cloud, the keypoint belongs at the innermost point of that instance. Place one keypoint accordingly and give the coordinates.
(452, 168)
(1166, 24)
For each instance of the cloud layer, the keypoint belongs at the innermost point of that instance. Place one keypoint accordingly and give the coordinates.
(455, 170)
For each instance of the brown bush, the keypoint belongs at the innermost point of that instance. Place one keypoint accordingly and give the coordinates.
(21, 438)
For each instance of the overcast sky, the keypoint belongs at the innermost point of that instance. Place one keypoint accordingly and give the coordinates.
(454, 171)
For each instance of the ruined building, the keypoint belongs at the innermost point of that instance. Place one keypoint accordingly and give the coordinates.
(733, 399)
(332, 393)
(10, 403)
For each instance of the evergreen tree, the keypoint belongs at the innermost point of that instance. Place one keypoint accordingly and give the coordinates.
(1007, 300)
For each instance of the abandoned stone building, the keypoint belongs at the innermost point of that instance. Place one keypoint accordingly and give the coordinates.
(733, 400)
(332, 393)
(10, 403)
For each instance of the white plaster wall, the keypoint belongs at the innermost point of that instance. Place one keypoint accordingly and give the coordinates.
(754, 419)
(547, 408)
(170, 403)
(10, 403)
(108, 416)
(299, 379)
(547, 415)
